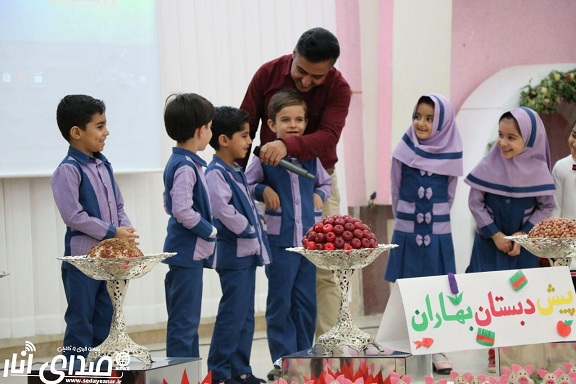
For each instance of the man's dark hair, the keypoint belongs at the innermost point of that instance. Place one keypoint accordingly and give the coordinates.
(185, 113)
(317, 45)
(77, 110)
(227, 121)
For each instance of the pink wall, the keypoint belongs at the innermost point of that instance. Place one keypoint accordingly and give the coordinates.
(384, 160)
(348, 32)
(490, 35)
(348, 25)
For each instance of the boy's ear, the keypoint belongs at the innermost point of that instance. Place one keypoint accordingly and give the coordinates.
(223, 140)
(75, 132)
(272, 125)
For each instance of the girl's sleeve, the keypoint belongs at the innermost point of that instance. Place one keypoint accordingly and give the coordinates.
(452, 183)
(544, 208)
(395, 181)
(479, 211)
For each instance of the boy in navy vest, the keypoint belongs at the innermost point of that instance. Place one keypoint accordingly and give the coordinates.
(92, 208)
(241, 247)
(188, 121)
(293, 205)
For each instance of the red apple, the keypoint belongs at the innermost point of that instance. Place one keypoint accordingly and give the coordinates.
(329, 220)
(349, 227)
(329, 237)
(339, 243)
(358, 233)
(338, 229)
(339, 220)
(348, 247)
(318, 227)
(365, 242)
(310, 245)
(329, 247)
(564, 328)
(347, 236)
(318, 247)
(327, 228)
(356, 243)
(320, 238)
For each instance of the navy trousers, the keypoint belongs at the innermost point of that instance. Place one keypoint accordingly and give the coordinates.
(291, 303)
(88, 315)
(231, 345)
(184, 303)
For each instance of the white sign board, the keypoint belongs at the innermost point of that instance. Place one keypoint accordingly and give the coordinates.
(479, 310)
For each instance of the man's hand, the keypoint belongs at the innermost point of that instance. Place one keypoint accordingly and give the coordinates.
(272, 152)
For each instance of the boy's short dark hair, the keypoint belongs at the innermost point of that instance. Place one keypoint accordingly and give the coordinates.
(184, 113)
(77, 110)
(318, 44)
(282, 99)
(227, 121)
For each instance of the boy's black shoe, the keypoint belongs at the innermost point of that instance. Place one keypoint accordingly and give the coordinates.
(249, 379)
(270, 375)
(275, 373)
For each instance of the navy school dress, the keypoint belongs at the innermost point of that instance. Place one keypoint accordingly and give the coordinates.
(510, 215)
(422, 229)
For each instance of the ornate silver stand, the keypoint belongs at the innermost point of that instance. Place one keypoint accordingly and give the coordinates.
(117, 273)
(342, 264)
(562, 249)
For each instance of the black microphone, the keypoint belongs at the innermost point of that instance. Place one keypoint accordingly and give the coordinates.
(289, 166)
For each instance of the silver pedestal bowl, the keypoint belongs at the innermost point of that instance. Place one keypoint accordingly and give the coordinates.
(561, 249)
(117, 273)
(342, 264)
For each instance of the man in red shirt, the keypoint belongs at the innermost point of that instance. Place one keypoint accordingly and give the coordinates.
(310, 70)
